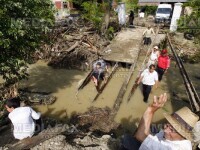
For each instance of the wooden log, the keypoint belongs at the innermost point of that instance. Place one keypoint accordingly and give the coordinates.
(86, 80)
(132, 91)
(104, 85)
(191, 92)
(35, 140)
(124, 88)
(94, 51)
(71, 48)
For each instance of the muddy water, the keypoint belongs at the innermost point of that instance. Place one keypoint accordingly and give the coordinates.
(63, 84)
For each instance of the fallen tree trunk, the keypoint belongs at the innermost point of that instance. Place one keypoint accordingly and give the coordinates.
(71, 48)
(35, 140)
(123, 88)
(86, 80)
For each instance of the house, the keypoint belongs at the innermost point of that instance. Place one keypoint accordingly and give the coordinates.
(62, 4)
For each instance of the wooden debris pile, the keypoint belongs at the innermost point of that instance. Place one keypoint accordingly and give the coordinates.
(97, 119)
(8, 91)
(73, 47)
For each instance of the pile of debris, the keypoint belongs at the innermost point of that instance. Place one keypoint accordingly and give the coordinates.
(73, 46)
(96, 119)
(187, 49)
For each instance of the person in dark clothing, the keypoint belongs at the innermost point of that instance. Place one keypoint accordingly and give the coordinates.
(131, 18)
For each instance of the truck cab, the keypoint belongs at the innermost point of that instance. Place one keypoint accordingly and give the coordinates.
(163, 13)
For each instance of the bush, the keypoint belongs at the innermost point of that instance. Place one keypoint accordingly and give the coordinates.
(93, 12)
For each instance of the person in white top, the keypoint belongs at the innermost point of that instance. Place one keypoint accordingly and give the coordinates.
(176, 135)
(22, 118)
(149, 77)
(147, 35)
(153, 58)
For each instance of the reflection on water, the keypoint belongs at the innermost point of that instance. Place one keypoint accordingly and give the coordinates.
(63, 84)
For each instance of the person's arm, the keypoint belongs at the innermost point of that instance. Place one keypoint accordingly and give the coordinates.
(158, 55)
(35, 115)
(144, 32)
(149, 53)
(156, 84)
(140, 78)
(168, 64)
(144, 126)
(156, 80)
(153, 31)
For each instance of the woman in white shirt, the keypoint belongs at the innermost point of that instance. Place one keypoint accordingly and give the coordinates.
(153, 58)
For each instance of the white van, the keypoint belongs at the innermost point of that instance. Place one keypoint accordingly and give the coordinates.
(163, 13)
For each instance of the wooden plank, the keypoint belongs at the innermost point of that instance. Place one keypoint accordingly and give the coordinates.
(86, 80)
(124, 88)
(104, 85)
(191, 92)
(36, 140)
(132, 91)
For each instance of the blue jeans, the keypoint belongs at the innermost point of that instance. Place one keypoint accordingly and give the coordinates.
(129, 143)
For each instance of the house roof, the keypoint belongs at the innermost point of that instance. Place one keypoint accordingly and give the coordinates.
(158, 1)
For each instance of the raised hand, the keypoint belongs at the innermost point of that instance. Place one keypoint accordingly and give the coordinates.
(158, 102)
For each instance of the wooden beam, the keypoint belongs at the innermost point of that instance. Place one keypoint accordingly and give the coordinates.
(36, 140)
(124, 88)
(104, 85)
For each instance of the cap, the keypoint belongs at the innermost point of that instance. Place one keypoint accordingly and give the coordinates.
(164, 51)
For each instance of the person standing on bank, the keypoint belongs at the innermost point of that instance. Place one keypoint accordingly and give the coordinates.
(147, 35)
(149, 77)
(153, 58)
(163, 64)
(22, 118)
(131, 18)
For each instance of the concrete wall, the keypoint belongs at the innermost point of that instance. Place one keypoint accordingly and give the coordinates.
(176, 15)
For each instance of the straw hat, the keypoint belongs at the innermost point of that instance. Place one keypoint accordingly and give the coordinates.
(183, 121)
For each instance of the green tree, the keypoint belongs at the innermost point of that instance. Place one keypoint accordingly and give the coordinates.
(191, 23)
(23, 27)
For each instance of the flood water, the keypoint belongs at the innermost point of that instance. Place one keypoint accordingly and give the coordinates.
(63, 84)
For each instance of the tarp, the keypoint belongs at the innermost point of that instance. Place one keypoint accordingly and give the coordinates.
(121, 10)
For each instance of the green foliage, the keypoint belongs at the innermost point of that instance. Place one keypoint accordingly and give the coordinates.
(110, 33)
(94, 13)
(151, 10)
(23, 27)
(131, 5)
(191, 24)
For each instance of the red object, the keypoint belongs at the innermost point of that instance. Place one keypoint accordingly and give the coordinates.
(58, 4)
(164, 51)
(163, 62)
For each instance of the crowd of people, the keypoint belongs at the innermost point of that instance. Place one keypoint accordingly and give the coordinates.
(157, 66)
(178, 132)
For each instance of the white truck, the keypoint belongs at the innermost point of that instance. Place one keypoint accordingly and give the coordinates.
(163, 13)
